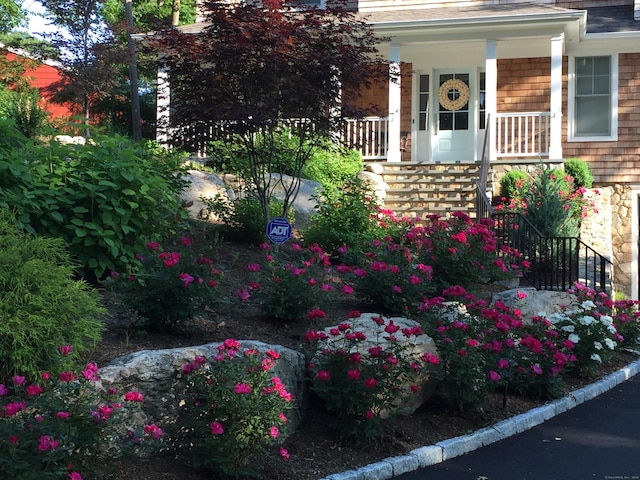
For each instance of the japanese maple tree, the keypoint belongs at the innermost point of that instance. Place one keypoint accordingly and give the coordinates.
(256, 67)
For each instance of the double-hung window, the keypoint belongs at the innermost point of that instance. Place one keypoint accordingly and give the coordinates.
(593, 98)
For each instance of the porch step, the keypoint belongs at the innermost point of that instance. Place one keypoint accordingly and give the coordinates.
(417, 190)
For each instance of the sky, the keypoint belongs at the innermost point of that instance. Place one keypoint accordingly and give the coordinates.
(37, 24)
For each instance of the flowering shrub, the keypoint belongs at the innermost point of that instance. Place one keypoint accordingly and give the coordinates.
(62, 427)
(292, 283)
(588, 328)
(390, 279)
(233, 409)
(462, 252)
(626, 318)
(551, 201)
(363, 380)
(170, 287)
(485, 348)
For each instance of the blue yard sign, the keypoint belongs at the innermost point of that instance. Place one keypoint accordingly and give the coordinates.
(279, 230)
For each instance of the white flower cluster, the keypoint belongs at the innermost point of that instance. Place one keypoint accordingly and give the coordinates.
(577, 321)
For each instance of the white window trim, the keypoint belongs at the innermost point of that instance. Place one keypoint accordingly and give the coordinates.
(571, 102)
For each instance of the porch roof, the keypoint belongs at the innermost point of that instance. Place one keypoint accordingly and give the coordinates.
(465, 14)
(481, 21)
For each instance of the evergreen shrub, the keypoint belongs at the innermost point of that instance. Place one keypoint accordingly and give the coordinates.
(41, 305)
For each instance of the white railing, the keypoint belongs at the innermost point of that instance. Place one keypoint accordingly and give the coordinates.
(368, 135)
(522, 135)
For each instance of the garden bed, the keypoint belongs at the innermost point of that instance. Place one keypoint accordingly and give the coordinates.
(314, 450)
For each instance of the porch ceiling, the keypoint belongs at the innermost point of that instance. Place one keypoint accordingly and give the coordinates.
(481, 22)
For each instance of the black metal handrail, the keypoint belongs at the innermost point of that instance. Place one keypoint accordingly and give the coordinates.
(556, 263)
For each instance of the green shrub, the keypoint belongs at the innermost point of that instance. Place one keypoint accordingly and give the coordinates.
(10, 137)
(242, 219)
(23, 107)
(580, 172)
(550, 206)
(331, 165)
(105, 199)
(278, 152)
(41, 306)
(512, 183)
(344, 216)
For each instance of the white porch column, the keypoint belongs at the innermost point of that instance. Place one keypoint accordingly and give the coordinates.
(163, 103)
(491, 94)
(555, 140)
(393, 147)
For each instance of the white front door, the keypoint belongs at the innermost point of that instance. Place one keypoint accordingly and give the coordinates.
(453, 133)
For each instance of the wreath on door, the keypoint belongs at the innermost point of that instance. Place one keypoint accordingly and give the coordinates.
(463, 94)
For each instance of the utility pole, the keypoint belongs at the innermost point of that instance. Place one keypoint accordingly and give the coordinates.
(133, 74)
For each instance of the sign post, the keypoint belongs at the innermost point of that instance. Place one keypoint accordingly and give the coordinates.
(279, 230)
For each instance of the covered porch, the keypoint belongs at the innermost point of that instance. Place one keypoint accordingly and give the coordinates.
(467, 84)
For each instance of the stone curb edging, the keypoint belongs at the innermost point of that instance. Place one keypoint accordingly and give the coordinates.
(454, 447)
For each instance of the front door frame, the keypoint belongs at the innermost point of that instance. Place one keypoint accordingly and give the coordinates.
(470, 152)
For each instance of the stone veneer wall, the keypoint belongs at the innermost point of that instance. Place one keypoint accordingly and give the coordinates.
(621, 208)
(609, 231)
(596, 227)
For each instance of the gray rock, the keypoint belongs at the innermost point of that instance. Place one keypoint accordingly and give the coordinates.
(536, 301)
(414, 346)
(376, 183)
(206, 185)
(154, 374)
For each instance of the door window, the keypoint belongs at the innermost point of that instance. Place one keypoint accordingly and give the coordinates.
(423, 103)
(453, 99)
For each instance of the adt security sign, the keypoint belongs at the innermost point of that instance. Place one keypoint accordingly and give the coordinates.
(279, 230)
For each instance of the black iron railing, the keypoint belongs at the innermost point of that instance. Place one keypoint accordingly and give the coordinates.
(556, 263)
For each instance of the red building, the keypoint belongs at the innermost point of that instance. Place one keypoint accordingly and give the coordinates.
(43, 75)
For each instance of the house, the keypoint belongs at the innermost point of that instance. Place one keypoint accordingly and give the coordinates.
(516, 83)
(43, 76)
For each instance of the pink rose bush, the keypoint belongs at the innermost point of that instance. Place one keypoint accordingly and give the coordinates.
(63, 426)
(361, 381)
(168, 288)
(234, 409)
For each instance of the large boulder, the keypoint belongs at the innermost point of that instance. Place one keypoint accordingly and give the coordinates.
(304, 204)
(372, 176)
(532, 302)
(208, 185)
(415, 346)
(154, 372)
